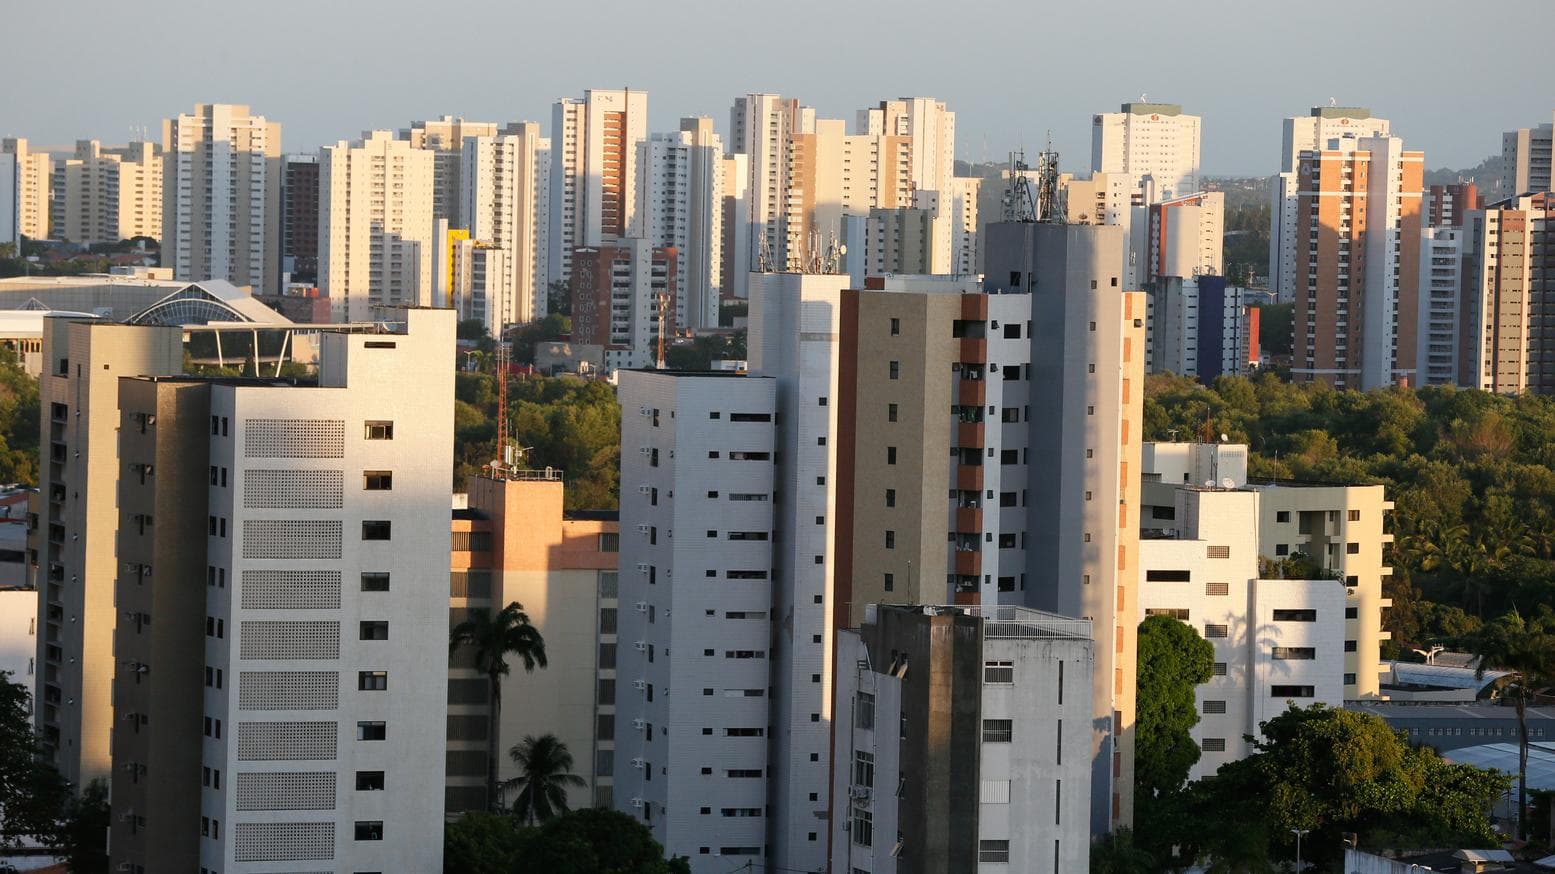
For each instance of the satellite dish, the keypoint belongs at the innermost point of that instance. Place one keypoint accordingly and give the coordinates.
(1227, 483)
(1224, 439)
(842, 250)
(1209, 484)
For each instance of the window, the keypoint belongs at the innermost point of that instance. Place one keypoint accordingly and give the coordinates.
(375, 630)
(372, 681)
(1012, 331)
(1179, 613)
(369, 781)
(610, 541)
(1290, 691)
(1217, 552)
(890, 540)
(1211, 630)
(369, 830)
(890, 455)
(1295, 653)
(864, 710)
(372, 731)
(1352, 549)
(890, 582)
(895, 368)
(377, 529)
(1213, 745)
(994, 851)
(1349, 646)
(376, 581)
(1282, 516)
(863, 827)
(377, 480)
(1164, 576)
(998, 731)
(1281, 549)
(1218, 669)
(378, 430)
(1352, 612)
(890, 497)
(1295, 616)
(890, 412)
(1349, 679)
(1214, 707)
(998, 672)
(896, 327)
(864, 769)
(1354, 515)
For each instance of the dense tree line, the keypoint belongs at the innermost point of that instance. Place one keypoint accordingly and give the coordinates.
(18, 421)
(36, 803)
(590, 841)
(1472, 476)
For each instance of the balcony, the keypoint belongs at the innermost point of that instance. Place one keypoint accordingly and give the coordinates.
(974, 350)
(968, 599)
(974, 306)
(972, 392)
(969, 435)
(969, 563)
(969, 520)
(969, 478)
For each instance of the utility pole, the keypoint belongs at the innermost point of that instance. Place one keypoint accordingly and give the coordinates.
(1299, 832)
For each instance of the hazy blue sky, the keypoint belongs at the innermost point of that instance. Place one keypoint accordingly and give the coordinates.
(1451, 75)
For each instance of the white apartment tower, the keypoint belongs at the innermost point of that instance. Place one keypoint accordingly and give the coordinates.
(507, 197)
(932, 129)
(221, 196)
(26, 197)
(594, 171)
(681, 205)
(1525, 156)
(761, 127)
(1154, 144)
(480, 289)
(1440, 335)
(695, 643)
(10, 202)
(375, 225)
(107, 195)
(1314, 132)
(445, 137)
(795, 321)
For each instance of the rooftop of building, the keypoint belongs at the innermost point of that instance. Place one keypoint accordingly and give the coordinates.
(1434, 710)
(1340, 112)
(1143, 108)
(1006, 620)
(699, 374)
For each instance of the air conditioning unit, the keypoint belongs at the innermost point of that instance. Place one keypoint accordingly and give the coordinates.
(642, 645)
(646, 450)
(644, 490)
(642, 606)
(642, 566)
(639, 685)
(644, 411)
(638, 763)
(637, 802)
(859, 793)
(643, 529)
(639, 723)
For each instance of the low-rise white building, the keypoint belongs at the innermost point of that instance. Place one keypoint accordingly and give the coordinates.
(962, 741)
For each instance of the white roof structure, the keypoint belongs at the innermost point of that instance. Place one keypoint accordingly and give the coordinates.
(1440, 676)
(208, 302)
(1503, 757)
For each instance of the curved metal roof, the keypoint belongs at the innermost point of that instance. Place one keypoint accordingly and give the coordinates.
(201, 303)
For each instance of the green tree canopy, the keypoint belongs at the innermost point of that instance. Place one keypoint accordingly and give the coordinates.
(588, 841)
(1173, 660)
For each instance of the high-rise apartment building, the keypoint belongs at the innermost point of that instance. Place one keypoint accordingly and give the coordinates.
(375, 226)
(445, 137)
(107, 195)
(833, 174)
(795, 326)
(594, 171)
(479, 289)
(514, 542)
(911, 349)
(26, 197)
(1358, 209)
(1200, 326)
(735, 248)
(1525, 157)
(698, 511)
(221, 196)
(1314, 132)
(762, 127)
(507, 196)
(1446, 205)
(1155, 144)
(1507, 299)
(623, 300)
(78, 521)
(320, 704)
(960, 742)
(1186, 237)
(1441, 333)
(1086, 385)
(932, 128)
(681, 206)
(10, 203)
(300, 218)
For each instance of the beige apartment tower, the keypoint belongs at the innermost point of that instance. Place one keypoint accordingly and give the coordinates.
(221, 196)
(75, 536)
(30, 176)
(104, 195)
(444, 138)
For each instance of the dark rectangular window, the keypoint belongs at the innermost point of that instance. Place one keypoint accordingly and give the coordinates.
(372, 681)
(376, 529)
(1294, 653)
(750, 417)
(1291, 692)
(376, 581)
(375, 630)
(369, 781)
(372, 730)
(1168, 576)
(1295, 616)
(378, 431)
(378, 480)
(369, 830)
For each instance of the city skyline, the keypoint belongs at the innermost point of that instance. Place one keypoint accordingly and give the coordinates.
(509, 73)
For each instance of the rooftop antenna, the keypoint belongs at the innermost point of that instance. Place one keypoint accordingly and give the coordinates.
(1143, 97)
(1020, 202)
(1333, 101)
(661, 302)
(1050, 203)
(764, 254)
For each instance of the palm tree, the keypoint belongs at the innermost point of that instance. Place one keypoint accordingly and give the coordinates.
(492, 639)
(1527, 649)
(544, 774)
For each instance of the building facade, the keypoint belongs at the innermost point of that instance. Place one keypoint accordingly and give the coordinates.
(594, 171)
(1156, 145)
(960, 742)
(25, 200)
(681, 197)
(698, 460)
(107, 195)
(1525, 157)
(507, 194)
(300, 219)
(623, 299)
(221, 196)
(445, 137)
